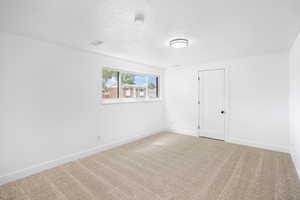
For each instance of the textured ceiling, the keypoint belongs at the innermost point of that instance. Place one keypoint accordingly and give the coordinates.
(217, 29)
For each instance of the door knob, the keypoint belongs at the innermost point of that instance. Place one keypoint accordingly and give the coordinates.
(222, 112)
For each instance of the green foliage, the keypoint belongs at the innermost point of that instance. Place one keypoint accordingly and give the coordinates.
(106, 75)
(127, 79)
(151, 85)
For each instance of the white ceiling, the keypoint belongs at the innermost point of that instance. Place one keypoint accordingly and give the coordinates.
(217, 29)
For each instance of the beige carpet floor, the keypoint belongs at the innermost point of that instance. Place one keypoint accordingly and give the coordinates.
(166, 166)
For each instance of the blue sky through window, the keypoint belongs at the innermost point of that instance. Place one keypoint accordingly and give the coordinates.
(140, 80)
(152, 79)
(111, 82)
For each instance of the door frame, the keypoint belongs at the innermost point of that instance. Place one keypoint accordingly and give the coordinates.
(227, 99)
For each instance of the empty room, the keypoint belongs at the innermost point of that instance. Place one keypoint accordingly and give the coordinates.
(149, 100)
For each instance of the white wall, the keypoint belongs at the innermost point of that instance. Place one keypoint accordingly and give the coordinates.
(50, 103)
(50, 106)
(259, 100)
(295, 102)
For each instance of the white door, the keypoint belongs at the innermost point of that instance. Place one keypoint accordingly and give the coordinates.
(212, 104)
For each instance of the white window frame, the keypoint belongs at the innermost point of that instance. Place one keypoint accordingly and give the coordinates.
(130, 100)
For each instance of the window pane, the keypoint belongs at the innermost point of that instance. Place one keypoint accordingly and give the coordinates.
(133, 85)
(109, 84)
(153, 87)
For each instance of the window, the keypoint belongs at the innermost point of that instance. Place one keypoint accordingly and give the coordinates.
(133, 85)
(120, 85)
(110, 84)
(152, 86)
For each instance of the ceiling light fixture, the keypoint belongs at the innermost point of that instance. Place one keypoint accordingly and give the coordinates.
(179, 43)
(139, 18)
(96, 43)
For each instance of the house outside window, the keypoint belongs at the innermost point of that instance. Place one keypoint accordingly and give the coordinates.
(121, 85)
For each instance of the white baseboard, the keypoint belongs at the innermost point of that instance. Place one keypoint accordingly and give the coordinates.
(234, 140)
(259, 145)
(183, 131)
(296, 163)
(67, 158)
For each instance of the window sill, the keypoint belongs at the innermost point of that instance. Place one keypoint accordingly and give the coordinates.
(118, 101)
